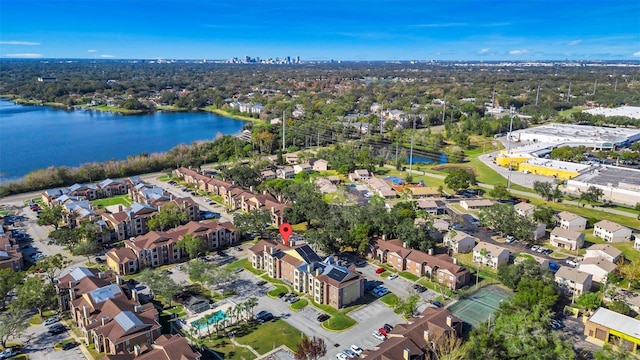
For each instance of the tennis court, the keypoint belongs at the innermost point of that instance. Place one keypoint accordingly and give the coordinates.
(477, 308)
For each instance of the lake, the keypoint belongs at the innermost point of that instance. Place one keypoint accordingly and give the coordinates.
(35, 137)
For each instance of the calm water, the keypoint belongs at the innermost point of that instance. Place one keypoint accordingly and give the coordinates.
(34, 137)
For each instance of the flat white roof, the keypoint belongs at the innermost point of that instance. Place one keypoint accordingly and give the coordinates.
(628, 111)
(556, 164)
(584, 134)
(613, 320)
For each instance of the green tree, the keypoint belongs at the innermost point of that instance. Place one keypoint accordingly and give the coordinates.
(500, 191)
(169, 216)
(10, 281)
(86, 248)
(407, 306)
(544, 189)
(545, 215)
(252, 222)
(620, 307)
(534, 292)
(589, 301)
(12, 324)
(51, 215)
(161, 284)
(192, 245)
(65, 237)
(37, 293)
(52, 265)
(459, 179)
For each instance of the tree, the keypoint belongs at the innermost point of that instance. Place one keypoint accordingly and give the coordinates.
(254, 221)
(589, 301)
(460, 179)
(545, 215)
(37, 293)
(637, 208)
(52, 265)
(10, 280)
(630, 272)
(534, 292)
(244, 176)
(620, 307)
(544, 189)
(193, 245)
(500, 191)
(447, 346)
(12, 324)
(311, 349)
(51, 215)
(407, 306)
(66, 237)
(308, 205)
(592, 195)
(169, 216)
(86, 248)
(161, 284)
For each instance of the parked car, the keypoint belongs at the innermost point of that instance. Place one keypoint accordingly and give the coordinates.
(380, 270)
(293, 299)
(261, 282)
(69, 345)
(393, 276)
(323, 317)
(341, 356)
(535, 248)
(356, 349)
(56, 329)
(378, 336)
(350, 353)
(387, 327)
(510, 239)
(10, 352)
(99, 260)
(261, 314)
(437, 303)
(280, 295)
(572, 262)
(238, 270)
(52, 320)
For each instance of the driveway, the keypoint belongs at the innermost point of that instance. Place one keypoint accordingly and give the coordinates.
(38, 344)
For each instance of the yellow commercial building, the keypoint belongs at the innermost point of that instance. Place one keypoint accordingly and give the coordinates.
(558, 169)
(511, 160)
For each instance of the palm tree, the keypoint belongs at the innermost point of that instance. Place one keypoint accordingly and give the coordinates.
(207, 319)
(251, 303)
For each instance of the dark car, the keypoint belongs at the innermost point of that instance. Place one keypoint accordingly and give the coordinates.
(437, 303)
(280, 295)
(69, 345)
(261, 282)
(420, 289)
(99, 260)
(267, 317)
(388, 327)
(323, 317)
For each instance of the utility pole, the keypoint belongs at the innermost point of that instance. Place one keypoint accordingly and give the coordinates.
(569, 93)
(411, 152)
(284, 132)
(537, 94)
(615, 87)
(444, 108)
(511, 111)
(595, 84)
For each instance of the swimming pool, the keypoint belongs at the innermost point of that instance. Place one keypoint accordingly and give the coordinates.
(215, 317)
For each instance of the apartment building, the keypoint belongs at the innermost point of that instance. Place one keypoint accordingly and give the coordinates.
(490, 255)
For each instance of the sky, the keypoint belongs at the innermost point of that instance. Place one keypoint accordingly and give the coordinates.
(322, 29)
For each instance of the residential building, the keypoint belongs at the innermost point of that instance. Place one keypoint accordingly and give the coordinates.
(636, 243)
(325, 185)
(571, 221)
(440, 268)
(432, 207)
(566, 239)
(475, 204)
(540, 231)
(490, 255)
(88, 192)
(610, 231)
(604, 251)
(130, 222)
(606, 326)
(460, 242)
(320, 165)
(599, 268)
(285, 172)
(524, 209)
(573, 281)
(123, 261)
(326, 281)
(381, 188)
(109, 187)
(412, 341)
(360, 175)
(10, 255)
(304, 167)
(421, 192)
(80, 280)
(268, 174)
(166, 347)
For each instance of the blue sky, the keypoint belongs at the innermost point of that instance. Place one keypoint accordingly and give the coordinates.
(321, 29)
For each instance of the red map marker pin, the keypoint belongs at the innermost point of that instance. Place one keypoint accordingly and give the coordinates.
(285, 232)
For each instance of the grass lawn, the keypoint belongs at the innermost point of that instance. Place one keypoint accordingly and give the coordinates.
(270, 335)
(390, 299)
(277, 290)
(115, 109)
(37, 319)
(244, 263)
(226, 350)
(570, 111)
(587, 212)
(114, 200)
(58, 345)
(298, 305)
(385, 274)
(409, 276)
(339, 320)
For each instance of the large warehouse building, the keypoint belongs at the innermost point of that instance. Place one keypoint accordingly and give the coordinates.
(596, 137)
(621, 185)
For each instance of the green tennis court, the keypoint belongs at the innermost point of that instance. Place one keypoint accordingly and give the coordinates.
(477, 308)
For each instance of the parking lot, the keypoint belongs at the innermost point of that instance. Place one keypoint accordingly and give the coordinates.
(38, 344)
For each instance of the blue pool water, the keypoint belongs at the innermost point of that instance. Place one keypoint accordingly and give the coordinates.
(217, 316)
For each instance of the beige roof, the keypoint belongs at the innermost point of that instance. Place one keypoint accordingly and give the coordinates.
(492, 249)
(566, 233)
(607, 249)
(604, 264)
(477, 202)
(608, 225)
(567, 216)
(573, 274)
(524, 206)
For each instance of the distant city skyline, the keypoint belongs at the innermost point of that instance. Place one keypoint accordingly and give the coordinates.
(321, 30)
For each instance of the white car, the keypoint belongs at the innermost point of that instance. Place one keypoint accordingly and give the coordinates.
(572, 263)
(341, 356)
(9, 353)
(378, 336)
(356, 349)
(535, 248)
(393, 276)
(51, 320)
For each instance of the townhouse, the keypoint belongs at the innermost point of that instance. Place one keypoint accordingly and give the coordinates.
(359, 175)
(78, 281)
(611, 232)
(490, 255)
(89, 192)
(381, 187)
(412, 341)
(110, 187)
(158, 248)
(10, 255)
(566, 239)
(524, 209)
(599, 268)
(573, 281)
(604, 251)
(421, 192)
(326, 281)
(165, 347)
(432, 207)
(475, 204)
(320, 165)
(571, 221)
(440, 268)
(459, 242)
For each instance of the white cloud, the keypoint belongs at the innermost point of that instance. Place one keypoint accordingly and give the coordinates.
(636, 54)
(92, 51)
(518, 52)
(24, 55)
(27, 43)
(483, 51)
(107, 56)
(574, 42)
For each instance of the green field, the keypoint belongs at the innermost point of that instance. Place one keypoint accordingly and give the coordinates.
(124, 200)
(271, 333)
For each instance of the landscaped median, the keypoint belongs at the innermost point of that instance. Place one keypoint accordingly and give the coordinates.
(390, 299)
(277, 290)
(244, 263)
(298, 305)
(409, 276)
(339, 320)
